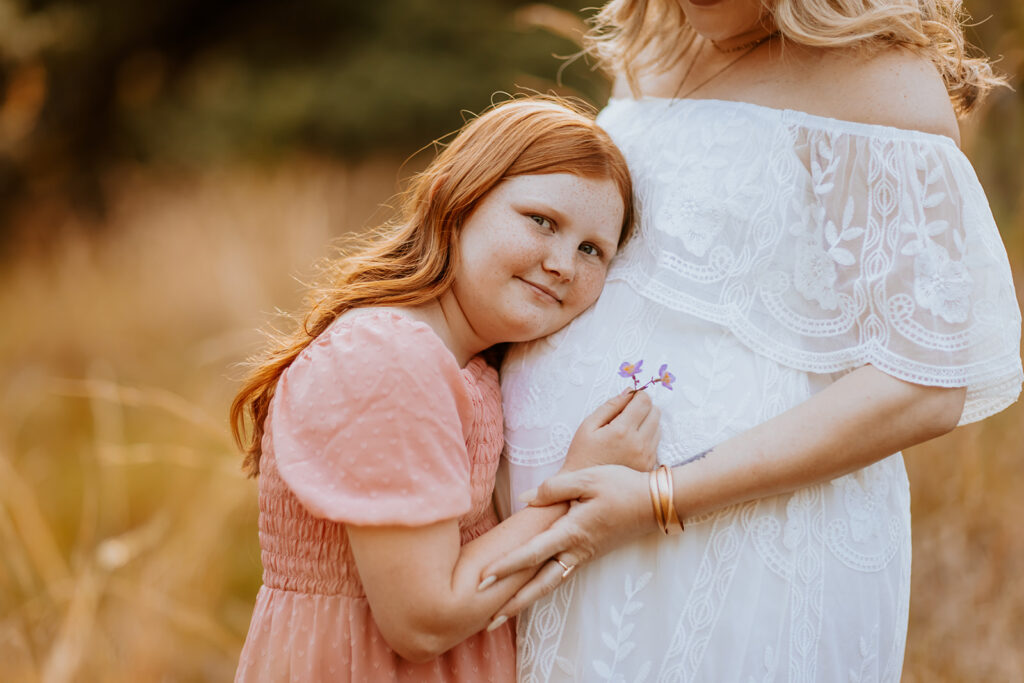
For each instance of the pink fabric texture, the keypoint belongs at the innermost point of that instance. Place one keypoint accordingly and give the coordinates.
(373, 424)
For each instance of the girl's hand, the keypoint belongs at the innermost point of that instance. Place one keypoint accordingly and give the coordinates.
(622, 431)
(611, 505)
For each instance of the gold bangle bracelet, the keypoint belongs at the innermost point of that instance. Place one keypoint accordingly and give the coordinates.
(665, 492)
(670, 511)
(671, 516)
(659, 515)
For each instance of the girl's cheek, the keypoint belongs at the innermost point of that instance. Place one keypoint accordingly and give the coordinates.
(592, 282)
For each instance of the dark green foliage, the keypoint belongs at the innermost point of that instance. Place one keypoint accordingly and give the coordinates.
(185, 81)
(192, 82)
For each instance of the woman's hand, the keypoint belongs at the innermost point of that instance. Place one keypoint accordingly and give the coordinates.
(622, 431)
(611, 504)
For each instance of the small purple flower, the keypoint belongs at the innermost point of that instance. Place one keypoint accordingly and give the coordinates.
(665, 377)
(628, 369)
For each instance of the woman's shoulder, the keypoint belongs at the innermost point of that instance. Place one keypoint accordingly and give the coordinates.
(893, 87)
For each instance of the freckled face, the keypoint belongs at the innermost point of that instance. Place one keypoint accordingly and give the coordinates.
(534, 254)
(722, 19)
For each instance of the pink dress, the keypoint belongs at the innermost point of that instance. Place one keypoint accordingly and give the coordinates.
(373, 424)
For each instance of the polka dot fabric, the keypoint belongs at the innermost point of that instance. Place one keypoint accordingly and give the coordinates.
(374, 423)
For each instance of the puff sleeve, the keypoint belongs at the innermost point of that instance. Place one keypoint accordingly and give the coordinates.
(368, 425)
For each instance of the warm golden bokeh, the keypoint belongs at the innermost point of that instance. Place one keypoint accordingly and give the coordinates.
(128, 533)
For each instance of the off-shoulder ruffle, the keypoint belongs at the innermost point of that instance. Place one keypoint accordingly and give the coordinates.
(822, 244)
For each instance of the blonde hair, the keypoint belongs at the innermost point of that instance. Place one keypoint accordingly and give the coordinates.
(628, 34)
(412, 261)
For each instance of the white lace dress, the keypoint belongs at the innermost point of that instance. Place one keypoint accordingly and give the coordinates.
(776, 251)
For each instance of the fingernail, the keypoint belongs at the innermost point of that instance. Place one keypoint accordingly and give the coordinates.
(527, 496)
(487, 582)
(498, 621)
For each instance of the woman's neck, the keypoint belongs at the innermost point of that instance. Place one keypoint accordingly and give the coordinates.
(744, 40)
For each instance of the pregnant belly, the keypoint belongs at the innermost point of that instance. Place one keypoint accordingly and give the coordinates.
(722, 387)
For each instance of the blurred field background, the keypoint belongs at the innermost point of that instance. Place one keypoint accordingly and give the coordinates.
(169, 171)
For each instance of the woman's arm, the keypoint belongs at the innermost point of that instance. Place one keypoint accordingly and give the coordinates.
(424, 587)
(861, 418)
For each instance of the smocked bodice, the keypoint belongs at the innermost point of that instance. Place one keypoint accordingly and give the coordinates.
(310, 554)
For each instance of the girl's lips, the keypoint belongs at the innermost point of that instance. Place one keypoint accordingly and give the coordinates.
(542, 290)
(704, 3)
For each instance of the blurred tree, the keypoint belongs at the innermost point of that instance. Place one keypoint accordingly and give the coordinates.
(183, 81)
(87, 84)
(995, 139)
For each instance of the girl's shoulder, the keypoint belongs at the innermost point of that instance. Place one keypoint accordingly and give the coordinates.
(382, 333)
(374, 350)
(388, 319)
(369, 424)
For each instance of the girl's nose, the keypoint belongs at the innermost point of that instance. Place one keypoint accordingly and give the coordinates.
(561, 262)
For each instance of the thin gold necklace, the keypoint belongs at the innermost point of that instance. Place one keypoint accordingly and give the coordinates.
(749, 44)
(747, 49)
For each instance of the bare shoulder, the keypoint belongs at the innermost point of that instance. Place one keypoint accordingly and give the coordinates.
(895, 88)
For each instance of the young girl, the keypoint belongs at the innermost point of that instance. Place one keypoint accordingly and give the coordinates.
(378, 428)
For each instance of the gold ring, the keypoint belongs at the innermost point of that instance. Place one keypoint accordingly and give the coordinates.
(567, 567)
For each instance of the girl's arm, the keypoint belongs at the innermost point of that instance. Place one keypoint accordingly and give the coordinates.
(860, 419)
(423, 586)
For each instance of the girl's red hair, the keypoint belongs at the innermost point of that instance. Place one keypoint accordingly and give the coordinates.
(412, 261)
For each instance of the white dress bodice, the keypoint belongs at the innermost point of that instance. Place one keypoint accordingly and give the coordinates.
(775, 252)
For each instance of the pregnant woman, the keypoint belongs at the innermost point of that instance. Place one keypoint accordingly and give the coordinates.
(818, 266)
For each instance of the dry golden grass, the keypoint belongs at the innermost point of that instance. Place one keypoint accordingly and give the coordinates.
(130, 549)
(128, 533)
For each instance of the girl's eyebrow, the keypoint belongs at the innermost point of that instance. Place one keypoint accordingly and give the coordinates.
(545, 208)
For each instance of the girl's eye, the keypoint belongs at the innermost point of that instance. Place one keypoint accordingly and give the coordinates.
(590, 249)
(541, 221)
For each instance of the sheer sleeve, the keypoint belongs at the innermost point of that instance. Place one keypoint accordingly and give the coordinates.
(828, 249)
(367, 425)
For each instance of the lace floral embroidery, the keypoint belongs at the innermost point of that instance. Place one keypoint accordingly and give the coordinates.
(826, 245)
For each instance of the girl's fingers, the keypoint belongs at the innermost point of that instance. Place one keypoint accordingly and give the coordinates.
(634, 413)
(649, 428)
(650, 434)
(607, 411)
(558, 489)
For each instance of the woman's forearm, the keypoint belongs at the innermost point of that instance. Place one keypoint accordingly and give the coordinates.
(861, 418)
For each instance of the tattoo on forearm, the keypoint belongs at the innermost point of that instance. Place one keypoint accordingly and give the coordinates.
(695, 458)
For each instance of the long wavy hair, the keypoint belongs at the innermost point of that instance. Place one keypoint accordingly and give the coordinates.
(412, 260)
(627, 35)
